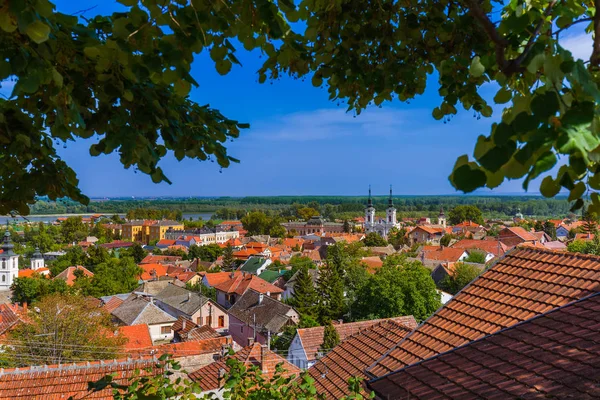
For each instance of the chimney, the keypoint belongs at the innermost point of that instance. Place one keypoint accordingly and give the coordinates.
(1, 319)
(260, 298)
(183, 326)
(250, 341)
(189, 296)
(263, 359)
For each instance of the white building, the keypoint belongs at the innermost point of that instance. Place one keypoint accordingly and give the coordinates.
(9, 263)
(37, 260)
(380, 225)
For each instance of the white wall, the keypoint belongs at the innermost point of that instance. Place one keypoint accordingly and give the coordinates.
(155, 332)
(296, 353)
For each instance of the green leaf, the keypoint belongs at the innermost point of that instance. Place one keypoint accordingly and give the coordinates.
(535, 63)
(38, 31)
(503, 96)
(468, 179)
(317, 81)
(7, 21)
(91, 52)
(577, 191)
(223, 67)
(548, 187)
(545, 105)
(128, 95)
(182, 88)
(57, 77)
(477, 69)
(437, 113)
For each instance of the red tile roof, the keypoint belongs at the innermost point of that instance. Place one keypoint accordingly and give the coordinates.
(516, 231)
(443, 253)
(152, 259)
(186, 349)
(112, 304)
(68, 275)
(152, 271)
(216, 278)
(28, 273)
(8, 317)
(351, 357)
(165, 242)
(240, 284)
(208, 377)
(467, 224)
(245, 253)
(59, 382)
(552, 355)
(495, 247)
(372, 263)
(116, 244)
(525, 283)
(188, 330)
(138, 336)
(312, 338)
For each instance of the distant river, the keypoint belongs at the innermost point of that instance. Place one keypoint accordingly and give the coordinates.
(50, 218)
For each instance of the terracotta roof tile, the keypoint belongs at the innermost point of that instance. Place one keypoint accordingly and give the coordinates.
(312, 338)
(68, 275)
(495, 247)
(59, 382)
(138, 336)
(208, 377)
(152, 259)
(443, 253)
(239, 284)
(552, 355)
(112, 304)
(353, 355)
(525, 283)
(152, 271)
(8, 317)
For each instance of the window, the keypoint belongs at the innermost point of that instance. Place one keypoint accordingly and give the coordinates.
(3, 278)
(209, 320)
(3, 263)
(165, 330)
(221, 321)
(242, 329)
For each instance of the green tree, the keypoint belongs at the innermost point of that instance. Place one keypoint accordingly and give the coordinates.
(73, 230)
(210, 252)
(305, 295)
(462, 275)
(464, 213)
(136, 252)
(65, 329)
(330, 285)
(111, 277)
(398, 288)
(347, 227)
(256, 223)
(374, 240)
(585, 247)
(590, 222)
(96, 255)
(229, 261)
(550, 229)
(31, 289)
(446, 239)
(475, 256)
(307, 213)
(331, 338)
(277, 231)
(398, 238)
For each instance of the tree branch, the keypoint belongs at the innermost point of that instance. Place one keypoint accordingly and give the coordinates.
(517, 61)
(595, 58)
(489, 28)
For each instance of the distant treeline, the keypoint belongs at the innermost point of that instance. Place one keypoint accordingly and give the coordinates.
(332, 206)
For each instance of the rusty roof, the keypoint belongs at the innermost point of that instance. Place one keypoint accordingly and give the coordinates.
(552, 355)
(525, 283)
(353, 355)
(209, 377)
(312, 338)
(59, 382)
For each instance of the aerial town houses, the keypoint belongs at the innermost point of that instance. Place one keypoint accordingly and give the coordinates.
(516, 298)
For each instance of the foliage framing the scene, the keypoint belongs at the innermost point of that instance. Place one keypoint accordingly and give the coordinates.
(124, 79)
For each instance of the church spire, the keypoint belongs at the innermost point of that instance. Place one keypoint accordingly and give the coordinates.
(390, 201)
(370, 202)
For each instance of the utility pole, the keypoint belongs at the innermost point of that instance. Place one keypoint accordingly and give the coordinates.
(268, 339)
(254, 323)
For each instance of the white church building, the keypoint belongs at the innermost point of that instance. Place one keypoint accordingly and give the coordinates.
(9, 263)
(380, 225)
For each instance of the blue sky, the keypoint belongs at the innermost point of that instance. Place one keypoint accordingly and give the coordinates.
(299, 142)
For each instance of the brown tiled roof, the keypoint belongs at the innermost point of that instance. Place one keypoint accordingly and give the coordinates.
(443, 254)
(517, 231)
(8, 317)
(353, 355)
(525, 283)
(152, 259)
(216, 278)
(189, 331)
(495, 247)
(56, 382)
(68, 275)
(112, 304)
(372, 263)
(208, 377)
(138, 336)
(312, 338)
(240, 284)
(553, 355)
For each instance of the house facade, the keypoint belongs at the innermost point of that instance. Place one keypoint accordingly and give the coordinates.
(9, 263)
(379, 225)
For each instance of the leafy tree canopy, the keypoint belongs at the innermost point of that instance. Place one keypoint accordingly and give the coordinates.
(463, 275)
(374, 240)
(465, 213)
(124, 79)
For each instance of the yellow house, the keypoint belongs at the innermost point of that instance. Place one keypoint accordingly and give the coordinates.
(157, 231)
